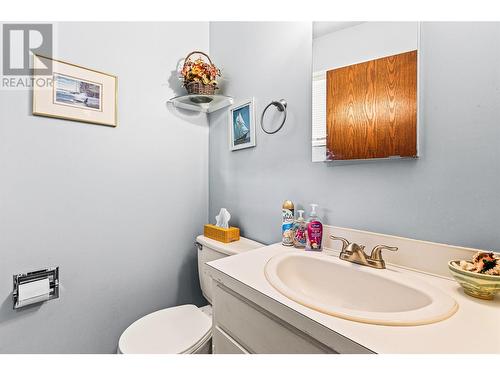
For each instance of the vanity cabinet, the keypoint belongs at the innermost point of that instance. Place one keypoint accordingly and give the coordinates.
(240, 326)
(243, 326)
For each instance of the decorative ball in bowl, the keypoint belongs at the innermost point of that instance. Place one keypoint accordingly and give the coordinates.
(479, 278)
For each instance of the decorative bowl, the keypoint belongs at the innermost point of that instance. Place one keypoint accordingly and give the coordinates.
(475, 284)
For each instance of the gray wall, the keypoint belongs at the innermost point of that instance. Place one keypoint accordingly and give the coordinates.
(116, 208)
(450, 194)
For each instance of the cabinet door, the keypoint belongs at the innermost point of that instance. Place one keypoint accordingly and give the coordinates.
(225, 344)
(257, 330)
(371, 109)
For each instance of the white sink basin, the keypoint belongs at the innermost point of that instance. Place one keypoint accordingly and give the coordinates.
(359, 293)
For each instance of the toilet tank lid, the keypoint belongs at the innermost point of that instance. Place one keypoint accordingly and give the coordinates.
(231, 248)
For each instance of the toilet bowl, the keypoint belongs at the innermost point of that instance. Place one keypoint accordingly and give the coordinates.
(185, 329)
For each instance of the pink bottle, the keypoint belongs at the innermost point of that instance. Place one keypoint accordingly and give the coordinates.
(314, 233)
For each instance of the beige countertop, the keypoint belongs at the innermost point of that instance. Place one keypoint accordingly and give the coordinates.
(474, 328)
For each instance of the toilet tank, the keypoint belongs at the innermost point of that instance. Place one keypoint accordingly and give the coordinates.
(209, 250)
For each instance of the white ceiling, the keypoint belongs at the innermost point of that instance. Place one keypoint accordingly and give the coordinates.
(323, 28)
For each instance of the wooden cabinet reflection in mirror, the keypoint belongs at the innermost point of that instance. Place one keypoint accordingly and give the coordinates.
(371, 109)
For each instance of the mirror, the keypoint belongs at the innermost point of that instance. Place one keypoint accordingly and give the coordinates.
(364, 90)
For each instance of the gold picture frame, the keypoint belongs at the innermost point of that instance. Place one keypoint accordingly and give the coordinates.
(75, 93)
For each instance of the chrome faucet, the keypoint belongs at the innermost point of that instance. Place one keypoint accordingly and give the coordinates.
(355, 253)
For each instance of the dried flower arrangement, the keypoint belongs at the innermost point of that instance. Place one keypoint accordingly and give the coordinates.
(486, 263)
(199, 76)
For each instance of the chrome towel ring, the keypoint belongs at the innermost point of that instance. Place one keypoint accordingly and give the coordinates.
(281, 106)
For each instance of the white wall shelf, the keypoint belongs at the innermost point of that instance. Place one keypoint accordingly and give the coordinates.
(201, 103)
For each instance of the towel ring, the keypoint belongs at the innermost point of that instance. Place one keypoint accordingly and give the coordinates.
(281, 106)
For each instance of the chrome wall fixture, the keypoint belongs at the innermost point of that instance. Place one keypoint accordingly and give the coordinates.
(281, 106)
(34, 287)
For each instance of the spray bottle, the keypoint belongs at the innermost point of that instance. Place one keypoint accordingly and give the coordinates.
(287, 215)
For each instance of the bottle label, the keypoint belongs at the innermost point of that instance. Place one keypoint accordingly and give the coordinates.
(299, 236)
(287, 227)
(314, 235)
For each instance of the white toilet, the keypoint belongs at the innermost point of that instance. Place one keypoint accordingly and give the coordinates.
(187, 328)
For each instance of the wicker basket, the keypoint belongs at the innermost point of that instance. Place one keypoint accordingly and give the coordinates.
(221, 234)
(199, 87)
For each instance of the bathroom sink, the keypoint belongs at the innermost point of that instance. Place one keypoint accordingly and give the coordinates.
(359, 293)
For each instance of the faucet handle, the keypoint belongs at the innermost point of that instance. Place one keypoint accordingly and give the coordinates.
(345, 243)
(377, 251)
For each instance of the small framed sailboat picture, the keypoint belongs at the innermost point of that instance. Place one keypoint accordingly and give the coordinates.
(242, 125)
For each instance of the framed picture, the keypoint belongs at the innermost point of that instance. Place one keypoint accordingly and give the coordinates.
(242, 125)
(76, 93)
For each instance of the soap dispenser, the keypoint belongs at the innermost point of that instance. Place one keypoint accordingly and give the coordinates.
(299, 231)
(314, 232)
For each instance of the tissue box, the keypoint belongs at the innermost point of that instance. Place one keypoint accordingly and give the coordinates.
(221, 234)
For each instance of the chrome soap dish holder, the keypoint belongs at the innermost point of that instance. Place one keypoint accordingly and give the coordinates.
(281, 107)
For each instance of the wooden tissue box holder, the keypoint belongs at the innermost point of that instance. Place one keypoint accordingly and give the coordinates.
(221, 234)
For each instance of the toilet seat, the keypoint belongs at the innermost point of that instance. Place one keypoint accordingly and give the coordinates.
(179, 329)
